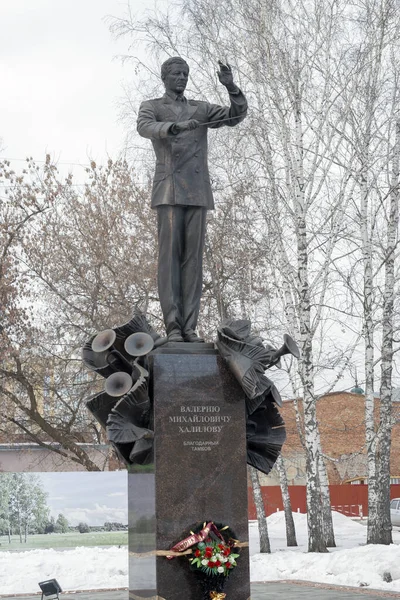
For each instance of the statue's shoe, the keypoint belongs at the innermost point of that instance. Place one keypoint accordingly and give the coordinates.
(175, 336)
(191, 336)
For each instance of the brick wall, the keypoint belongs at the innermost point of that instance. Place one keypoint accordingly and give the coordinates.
(342, 427)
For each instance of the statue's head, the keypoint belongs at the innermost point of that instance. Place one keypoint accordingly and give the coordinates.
(174, 74)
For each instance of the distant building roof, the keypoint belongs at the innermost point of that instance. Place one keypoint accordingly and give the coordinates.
(357, 390)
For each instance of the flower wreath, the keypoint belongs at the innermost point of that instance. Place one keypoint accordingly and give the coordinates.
(213, 556)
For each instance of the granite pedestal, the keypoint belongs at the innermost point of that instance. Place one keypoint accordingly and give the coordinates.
(142, 533)
(200, 466)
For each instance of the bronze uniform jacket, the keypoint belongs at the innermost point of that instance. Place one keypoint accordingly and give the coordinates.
(181, 176)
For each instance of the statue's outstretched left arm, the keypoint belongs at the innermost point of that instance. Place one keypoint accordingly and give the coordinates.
(218, 116)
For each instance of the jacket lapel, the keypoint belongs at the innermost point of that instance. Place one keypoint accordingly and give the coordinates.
(191, 109)
(172, 105)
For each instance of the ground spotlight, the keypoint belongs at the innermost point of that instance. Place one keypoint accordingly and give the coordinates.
(50, 588)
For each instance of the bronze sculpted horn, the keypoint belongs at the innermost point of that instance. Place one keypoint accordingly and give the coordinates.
(139, 344)
(289, 346)
(104, 342)
(118, 384)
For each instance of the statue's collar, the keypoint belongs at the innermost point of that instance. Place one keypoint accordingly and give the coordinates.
(176, 97)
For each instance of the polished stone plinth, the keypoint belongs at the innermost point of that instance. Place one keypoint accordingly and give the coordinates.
(142, 534)
(200, 463)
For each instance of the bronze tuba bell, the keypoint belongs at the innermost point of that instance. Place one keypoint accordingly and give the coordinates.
(139, 344)
(118, 384)
(289, 346)
(104, 342)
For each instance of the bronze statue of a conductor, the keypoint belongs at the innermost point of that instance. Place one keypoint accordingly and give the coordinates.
(182, 192)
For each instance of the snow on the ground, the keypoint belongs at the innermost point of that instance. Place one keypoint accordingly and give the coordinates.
(78, 569)
(351, 563)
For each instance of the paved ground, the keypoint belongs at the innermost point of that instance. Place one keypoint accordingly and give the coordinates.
(103, 595)
(276, 590)
(290, 590)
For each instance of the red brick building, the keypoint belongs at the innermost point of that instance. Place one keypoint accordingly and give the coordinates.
(341, 422)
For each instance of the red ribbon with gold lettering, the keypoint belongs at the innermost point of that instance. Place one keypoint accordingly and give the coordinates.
(195, 538)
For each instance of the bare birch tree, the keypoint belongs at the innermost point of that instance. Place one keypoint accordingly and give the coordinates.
(372, 140)
(385, 415)
(260, 510)
(287, 505)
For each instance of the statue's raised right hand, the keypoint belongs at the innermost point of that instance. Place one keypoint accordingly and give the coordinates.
(186, 125)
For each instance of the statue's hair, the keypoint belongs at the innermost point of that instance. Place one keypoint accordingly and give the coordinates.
(167, 65)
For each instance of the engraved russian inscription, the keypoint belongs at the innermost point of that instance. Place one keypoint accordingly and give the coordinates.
(204, 419)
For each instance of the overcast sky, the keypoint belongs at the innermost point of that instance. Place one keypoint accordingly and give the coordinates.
(60, 81)
(92, 498)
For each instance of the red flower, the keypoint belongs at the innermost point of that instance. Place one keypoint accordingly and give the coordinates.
(221, 546)
(228, 565)
(208, 552)
(217, 563)
(210, 564)
(197, 553)
(226, 552)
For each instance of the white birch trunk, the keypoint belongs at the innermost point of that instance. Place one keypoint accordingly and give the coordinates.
(368, 330)
(316, 541)
(385, 426)
(287, 505)
(326, 502)
(376, 39)
(260, 509)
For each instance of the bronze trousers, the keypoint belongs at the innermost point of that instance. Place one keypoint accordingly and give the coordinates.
(181, 234)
